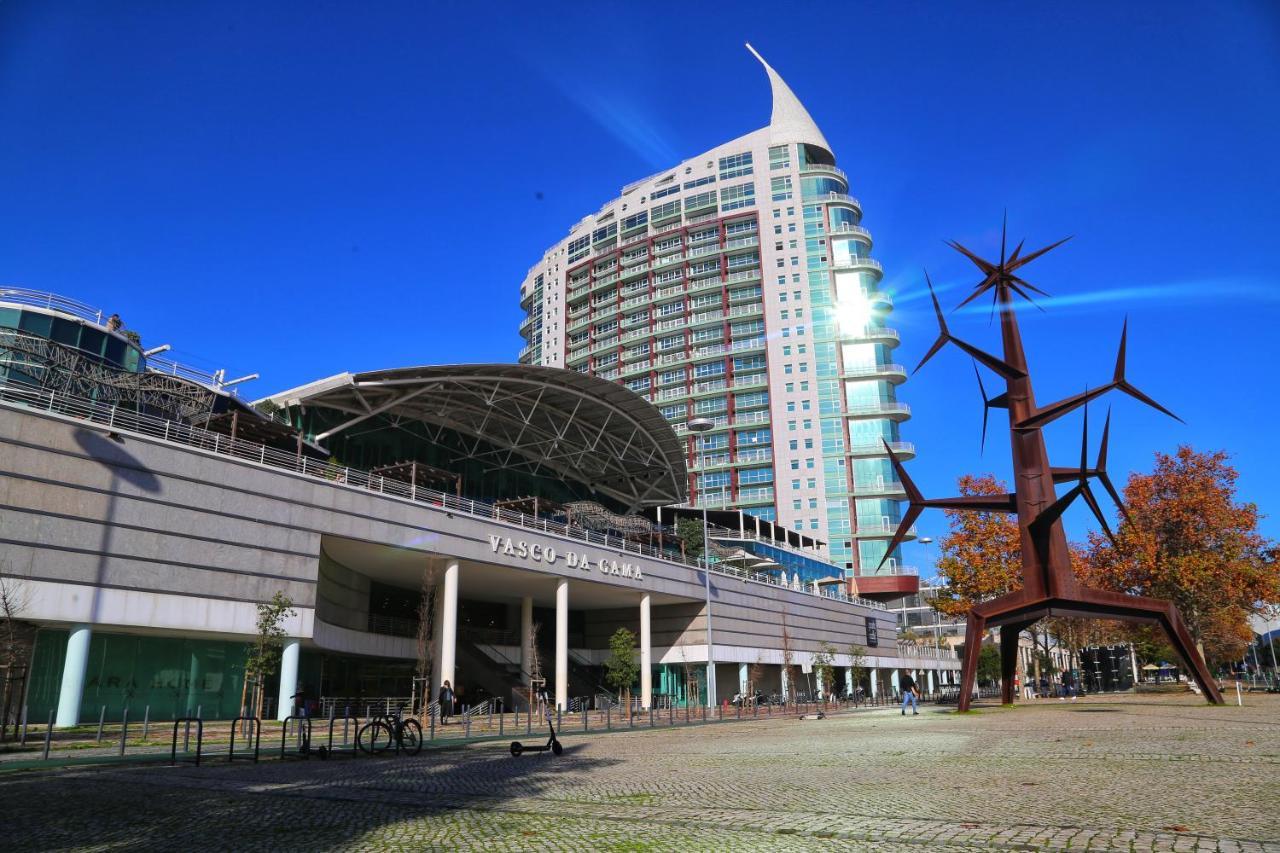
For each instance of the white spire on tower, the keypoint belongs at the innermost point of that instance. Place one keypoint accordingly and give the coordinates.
(790, 121)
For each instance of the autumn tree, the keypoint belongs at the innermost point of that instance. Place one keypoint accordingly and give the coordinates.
(1185, 538)
(979, 559)
(621, 669)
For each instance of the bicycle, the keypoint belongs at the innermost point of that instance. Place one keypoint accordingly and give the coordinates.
(377, 735)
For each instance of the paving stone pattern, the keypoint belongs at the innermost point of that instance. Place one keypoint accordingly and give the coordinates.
(1113, 773)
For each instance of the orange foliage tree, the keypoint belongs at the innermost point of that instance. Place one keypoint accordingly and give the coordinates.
(980, 558)
(1186, 539)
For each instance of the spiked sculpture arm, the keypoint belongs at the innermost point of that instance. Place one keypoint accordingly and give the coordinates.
(998, 365)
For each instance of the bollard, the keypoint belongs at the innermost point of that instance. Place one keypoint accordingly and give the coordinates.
(433, 724)
(528, 722)
(346, 721)
(186, 738)
(22, 741)
(199, 712)
(367, 712)
(124, 728)
(671, 713)
(686, 712)
(650, 713)
(146, 721)
(755, 710)
(584, 717)
(102, 716)
(739, 711)
(608, 717)
(558, 718)
(500, 718)
(491, 716)
(466, 723)
(704, 713)
(48, 736)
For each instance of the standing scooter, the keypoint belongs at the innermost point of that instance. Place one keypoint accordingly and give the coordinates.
(552, 743)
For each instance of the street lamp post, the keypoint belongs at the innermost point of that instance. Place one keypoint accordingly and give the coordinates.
(698, 426)
(937, 625)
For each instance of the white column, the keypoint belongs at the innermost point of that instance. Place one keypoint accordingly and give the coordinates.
(526, 629)
(646, 654)
(875, 682)
(929, 673)
(893, 679)
(848, 680)
(288, 677)
(786, 683)
(743, 677)
(73, 667)
(449, 625)
(562, 643)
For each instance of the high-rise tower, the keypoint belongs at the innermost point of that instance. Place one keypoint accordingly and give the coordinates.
(738, 286)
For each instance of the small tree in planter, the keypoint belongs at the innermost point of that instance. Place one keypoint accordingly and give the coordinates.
(621, 669)
(857, 663)
(824, 668)
(263, 655)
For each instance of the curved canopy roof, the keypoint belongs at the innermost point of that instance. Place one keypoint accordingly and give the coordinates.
(544, 420)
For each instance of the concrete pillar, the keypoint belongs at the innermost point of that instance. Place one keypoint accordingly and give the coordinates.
(893, 680)
(526, 629)
(448, 625)
(848, 680)
(193, 680)
(73, 669)
(786, 683)
(744, 675)
(646, 654)
(562, 643)
(288, 677)
(929, 673)
(875, 682)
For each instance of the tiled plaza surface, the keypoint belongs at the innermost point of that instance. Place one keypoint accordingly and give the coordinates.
(1113, 773)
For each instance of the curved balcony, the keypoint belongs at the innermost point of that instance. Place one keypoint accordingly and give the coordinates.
(851, 231)
(902, 449)
(873, 334)
(822, 169)
(837, 198)
(878, 488)
(858, 263)
(895, 373)
(895, 410)
(880, 530)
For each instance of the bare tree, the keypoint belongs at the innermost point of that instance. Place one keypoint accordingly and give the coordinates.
(788, 661)
(14, 649)
(426, 637)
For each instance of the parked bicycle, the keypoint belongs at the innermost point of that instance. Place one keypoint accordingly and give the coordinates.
(378, 735)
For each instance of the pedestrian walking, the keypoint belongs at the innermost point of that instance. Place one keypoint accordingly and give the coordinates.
(446, 702)
(911, 694)
(1068, 686)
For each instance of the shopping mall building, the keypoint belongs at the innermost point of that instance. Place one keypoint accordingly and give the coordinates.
(146, 510)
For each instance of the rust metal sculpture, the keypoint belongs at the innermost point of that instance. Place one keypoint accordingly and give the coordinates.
(1049, 587)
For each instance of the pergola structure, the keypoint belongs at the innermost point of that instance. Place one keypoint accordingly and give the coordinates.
(541, 420)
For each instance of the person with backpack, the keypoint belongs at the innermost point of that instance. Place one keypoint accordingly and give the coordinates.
(911, 694)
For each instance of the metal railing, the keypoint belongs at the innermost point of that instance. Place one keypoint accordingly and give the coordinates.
(121, 420)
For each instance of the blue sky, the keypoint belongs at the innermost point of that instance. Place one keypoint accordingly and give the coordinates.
(277, 187)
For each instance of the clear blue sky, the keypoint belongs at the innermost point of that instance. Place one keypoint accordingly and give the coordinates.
(276, 187)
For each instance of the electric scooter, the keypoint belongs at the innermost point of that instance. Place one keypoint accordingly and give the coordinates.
(553, 745)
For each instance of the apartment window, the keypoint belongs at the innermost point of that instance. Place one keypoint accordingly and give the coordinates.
(793, 444)
(804, 386)
(791, 425)
(808, 444)
(780, 188)
(790, 387)
(777, 229)
(714, 368)
(795, 485)
(786, 368)
(786, 350)
(700, 182)
(796, 504)
(663, 193)
(700, 200)
(786, 314)
(663, 211)
(734, 198)
(781, 263)
(735, 166)
(808, 462)
(804, 367)
(795, 464)
(813, 503)
(779, 157)
(812, 482)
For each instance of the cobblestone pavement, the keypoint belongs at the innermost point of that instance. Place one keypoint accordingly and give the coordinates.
(1113, 773)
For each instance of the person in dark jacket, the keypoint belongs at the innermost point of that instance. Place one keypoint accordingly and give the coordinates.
(909, 694)
(446, 702)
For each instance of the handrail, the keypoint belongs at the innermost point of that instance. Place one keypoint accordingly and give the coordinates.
(122, 420)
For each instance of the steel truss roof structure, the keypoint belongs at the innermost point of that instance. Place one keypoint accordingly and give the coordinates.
(542, 420)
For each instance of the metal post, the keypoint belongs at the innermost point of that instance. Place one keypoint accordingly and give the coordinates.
(48, 736)
(650, 714)
(146, 721)
(608, 717)
(102, 716)
(199, 712)
(671, 712)
(500, 717)
(22, 740)
(466, 722)
(558, 718)
(124, 729)
(433, 723)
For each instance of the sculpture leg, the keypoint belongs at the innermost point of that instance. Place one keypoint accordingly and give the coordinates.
(975, 626)
(1171, 621)
(1008, 661)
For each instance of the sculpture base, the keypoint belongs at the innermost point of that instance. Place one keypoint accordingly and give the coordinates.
(1016, 611)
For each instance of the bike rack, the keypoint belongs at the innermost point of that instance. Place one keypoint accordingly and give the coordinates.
(352, 748)
(173, 749)
(304, 750)
(255, 737)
